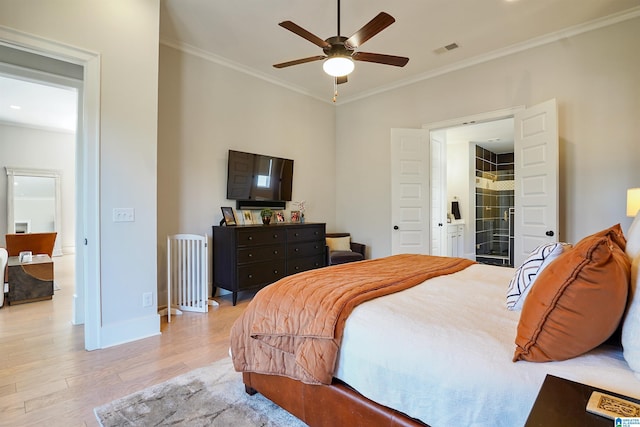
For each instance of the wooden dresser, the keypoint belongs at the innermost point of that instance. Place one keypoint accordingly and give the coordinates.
(248, 257)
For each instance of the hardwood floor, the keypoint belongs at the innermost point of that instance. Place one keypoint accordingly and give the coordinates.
(47, 378)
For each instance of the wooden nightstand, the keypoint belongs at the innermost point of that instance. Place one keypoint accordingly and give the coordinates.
(563, 403)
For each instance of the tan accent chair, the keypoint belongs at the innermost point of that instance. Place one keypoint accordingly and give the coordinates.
(356, 253)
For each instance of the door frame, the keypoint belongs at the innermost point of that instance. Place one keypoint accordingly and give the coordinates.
(471, 120)
(87, 303)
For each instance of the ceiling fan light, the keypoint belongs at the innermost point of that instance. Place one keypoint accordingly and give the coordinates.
(338, 66)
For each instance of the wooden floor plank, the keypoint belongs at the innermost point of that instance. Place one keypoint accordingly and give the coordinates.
(47, 378)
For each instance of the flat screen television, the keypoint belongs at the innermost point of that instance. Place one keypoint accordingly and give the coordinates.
(258, 177)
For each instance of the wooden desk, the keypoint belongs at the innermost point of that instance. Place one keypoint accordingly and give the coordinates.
(30, 281)
(563, 403)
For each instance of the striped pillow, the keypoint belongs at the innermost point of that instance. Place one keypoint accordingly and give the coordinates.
(526, 274)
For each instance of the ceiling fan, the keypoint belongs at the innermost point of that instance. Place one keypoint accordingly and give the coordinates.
(340, 51)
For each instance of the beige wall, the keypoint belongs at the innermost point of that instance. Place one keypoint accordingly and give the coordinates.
(595, 78)
(126, 35)
(206, 109)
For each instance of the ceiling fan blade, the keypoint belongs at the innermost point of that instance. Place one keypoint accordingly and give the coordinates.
(398, 61)
(299, 61)
(340, 80)
(373, 27)
(294, 28)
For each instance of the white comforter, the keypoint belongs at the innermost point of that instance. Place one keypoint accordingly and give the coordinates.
(441, 352)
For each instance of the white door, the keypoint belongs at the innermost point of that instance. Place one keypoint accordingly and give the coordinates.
(438, 193)
(410, 191)
(536, 178)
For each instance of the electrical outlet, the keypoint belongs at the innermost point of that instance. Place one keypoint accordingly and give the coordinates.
(124, 215)
(147, 299)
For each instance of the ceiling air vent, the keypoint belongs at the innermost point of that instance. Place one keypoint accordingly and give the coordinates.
(447, 48)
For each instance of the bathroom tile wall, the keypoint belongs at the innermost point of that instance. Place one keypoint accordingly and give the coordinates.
(494, 197)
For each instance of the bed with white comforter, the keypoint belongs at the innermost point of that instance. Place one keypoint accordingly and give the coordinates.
(442, 352)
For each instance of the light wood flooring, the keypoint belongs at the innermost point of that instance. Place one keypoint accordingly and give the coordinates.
(48, 379)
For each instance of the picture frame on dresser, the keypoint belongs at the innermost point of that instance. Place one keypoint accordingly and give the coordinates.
(295, 216)
(228, 216)
(247, 217)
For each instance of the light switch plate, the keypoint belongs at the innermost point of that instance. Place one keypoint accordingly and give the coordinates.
(124, 215)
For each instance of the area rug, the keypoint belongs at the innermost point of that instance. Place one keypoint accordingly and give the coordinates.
(209, 396)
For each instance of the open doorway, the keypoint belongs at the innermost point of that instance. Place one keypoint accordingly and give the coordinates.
(38, 135)
(57, 67)
(476, 188)
(536, 153)
(16, 45)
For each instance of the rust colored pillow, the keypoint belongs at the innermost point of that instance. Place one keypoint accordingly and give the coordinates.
(577, 302)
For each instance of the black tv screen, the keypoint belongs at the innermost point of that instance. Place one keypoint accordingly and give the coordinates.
(258, 177)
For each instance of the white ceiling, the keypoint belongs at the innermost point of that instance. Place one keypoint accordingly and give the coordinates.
(495, 136)
(245, 35)
(39, 105)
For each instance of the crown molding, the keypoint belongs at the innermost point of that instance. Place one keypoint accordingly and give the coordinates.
(220, 60)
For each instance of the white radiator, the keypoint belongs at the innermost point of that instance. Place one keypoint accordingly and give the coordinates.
(187, 274)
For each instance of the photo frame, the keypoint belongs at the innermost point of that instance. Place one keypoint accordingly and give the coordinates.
(247, 217)
(279, 216)
(295, 216)
(228, 216)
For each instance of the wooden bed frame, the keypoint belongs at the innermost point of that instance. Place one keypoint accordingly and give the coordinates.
(325, 405)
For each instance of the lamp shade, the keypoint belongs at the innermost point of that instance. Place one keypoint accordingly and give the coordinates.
(338, 66)
(633, 201)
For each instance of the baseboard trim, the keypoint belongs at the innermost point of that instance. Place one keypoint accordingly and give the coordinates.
(131, 330)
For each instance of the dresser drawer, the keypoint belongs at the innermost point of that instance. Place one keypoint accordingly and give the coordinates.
(305, 233)
(259, 273)
(261, 236)
(303, 249)
(260, 253)
(298, 265)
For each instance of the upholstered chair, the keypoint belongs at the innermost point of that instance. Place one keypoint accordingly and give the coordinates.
(340, 249)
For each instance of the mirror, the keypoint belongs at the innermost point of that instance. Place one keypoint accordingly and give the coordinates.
(33, 202)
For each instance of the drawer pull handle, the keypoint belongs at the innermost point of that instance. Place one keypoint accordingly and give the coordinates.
(250, 276)
(297, 267)
(275, 271)
(296, 234)
(250, 237)
(275, 236)
(275, 252)
(297, 249)
(250, 255)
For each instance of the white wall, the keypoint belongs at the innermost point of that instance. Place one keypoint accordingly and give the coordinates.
(205, 109)
(23, 147)
(458, 179)
(126, 35)
(595, 78)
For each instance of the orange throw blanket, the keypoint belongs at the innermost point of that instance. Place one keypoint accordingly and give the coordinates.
(294, 327)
